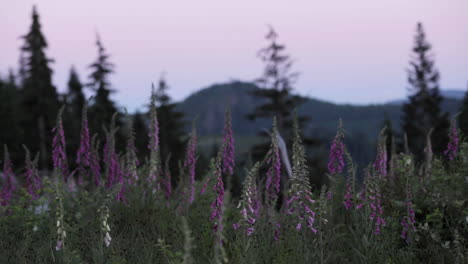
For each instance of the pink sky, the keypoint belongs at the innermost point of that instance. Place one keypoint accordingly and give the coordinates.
(346, 51)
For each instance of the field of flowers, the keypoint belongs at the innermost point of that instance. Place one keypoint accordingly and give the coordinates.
(114, 208)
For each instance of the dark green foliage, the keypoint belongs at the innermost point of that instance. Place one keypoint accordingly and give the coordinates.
(149, 230)
(171, 129)
(423, 111)
(39, 96)
(141, 135)
(74, 101)
(10, 115)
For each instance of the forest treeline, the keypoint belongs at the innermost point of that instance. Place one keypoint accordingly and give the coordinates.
(30, 102)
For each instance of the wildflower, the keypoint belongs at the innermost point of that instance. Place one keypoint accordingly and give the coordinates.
(105, 229)
(300, 200)
(277, 231)
(452, 147)
(335, 161)
(249, 203)
(375, 204)
(217, 204)
(348, 197)
(33, 181)
(190, 162)
(380, 163)
(274, 171)
(58, 147)
(409, 220)
(83, 154)
(153, 145)
(110, 156)
(9, 187)
(228, 151)
(61, 233)
(167, 179)
(131, 157)
(95, 161)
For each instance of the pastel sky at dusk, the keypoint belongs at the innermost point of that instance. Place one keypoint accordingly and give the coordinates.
(353, 51)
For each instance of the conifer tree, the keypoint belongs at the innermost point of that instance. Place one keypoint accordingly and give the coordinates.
(10, 114)
(171, 125)
(276, 85)
(40, 98)
(102, 107)
(463, 117)
(276, 93)
(141, 135)
(75, 96)
(423, 110)
(75, 101)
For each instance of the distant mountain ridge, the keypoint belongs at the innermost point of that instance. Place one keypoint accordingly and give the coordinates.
(210, 103)
(448, 93)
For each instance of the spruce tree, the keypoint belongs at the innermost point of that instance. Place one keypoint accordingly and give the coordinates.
(39, 95)
(10, 114)
(74, 101)
(75, 96)
(102, 107)
(276, 93)
(422, 111)
(171, 128)
(141, 135)
(463, 117)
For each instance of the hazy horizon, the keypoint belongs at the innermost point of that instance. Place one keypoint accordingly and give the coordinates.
(346, 52)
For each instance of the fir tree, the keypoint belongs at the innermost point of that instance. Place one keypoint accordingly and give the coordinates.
(102, 107)
(10, 114)
(276, 87)
(141, 135)
(423, 110)
(40, 98)
(75, 101)
(171, 125)
(75, 96)
(463, 117)
(276, 93)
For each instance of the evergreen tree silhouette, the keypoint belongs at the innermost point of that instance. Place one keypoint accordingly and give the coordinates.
(10, 115)
(171, 125)
(40, 98)
(423, 110)
(275, 90)
(463, 117)
(141, 135)
(75, 101)
(102, 107)
(75, 96)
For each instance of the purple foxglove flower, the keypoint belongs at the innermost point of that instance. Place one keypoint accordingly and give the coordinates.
(83, 154)
(217, 204)
(153, 145)
(9, 187)
(59, 155)
(33, 181)
(274, 171)
(94, 162)
(190, 163)
(337, 150)
(228, 143)
(131, 158)
(277, 231)
(249, 203)
(452, 147)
